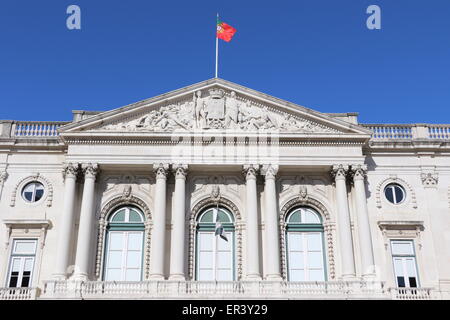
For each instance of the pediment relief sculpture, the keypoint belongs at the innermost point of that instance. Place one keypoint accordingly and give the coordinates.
(218, 110)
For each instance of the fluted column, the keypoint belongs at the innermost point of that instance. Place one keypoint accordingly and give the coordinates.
(86, 230)
(66, 221)
(177, 250)
(271, 230)
(253, 272)
(159, 223)
(339, 172)
(365, 238)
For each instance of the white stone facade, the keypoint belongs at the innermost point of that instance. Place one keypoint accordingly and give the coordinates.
(218, 144)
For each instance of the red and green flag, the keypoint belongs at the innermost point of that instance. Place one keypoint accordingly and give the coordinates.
(225, 31)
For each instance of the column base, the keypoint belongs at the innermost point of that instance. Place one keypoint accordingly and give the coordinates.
(177, 277)
(156, 277)
(253, 277)
(79, 277)
(348, 277)
(273, 277)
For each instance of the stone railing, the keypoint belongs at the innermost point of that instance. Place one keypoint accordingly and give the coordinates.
(30, 129)
(409, 131)
(18, 293)
(411, 293)
(212, 290)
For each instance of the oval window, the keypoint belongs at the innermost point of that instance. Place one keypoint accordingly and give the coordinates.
(33, 192)
(394, 193)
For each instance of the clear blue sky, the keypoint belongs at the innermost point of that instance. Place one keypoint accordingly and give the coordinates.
(316, 53)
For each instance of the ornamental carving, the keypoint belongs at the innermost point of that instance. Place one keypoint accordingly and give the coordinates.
(48, 189)
(71, 170)
(429, 180)
(339, 172)
(250, 171)
(90, 170)
(161, 170)
(410, 194)
(358, 172)
(110, 207)
(239, 225)
(217, 110)
(329, 229)
(3, 177)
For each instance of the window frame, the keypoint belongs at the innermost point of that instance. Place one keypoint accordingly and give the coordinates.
(303, 228)
(413, 255)
(35, 183)
(211, 227)
(392, 186)
(22, 256)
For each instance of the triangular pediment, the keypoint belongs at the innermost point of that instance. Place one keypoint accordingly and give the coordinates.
(213, 105)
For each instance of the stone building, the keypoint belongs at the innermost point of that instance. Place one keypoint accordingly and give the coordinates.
(219, 191)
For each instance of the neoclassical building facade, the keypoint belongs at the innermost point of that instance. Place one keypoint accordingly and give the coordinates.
(219, 191)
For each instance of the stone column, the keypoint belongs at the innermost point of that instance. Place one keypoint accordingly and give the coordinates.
(87, 216)
(3, 177)
(339, 172)
(271, 228)
(365, 238)
(66, 221)
(159, 223)
(177, 250)
(253, 272)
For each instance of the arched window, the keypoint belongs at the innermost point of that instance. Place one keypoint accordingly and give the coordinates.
(124, 245)
(305, 245)
(215, 253)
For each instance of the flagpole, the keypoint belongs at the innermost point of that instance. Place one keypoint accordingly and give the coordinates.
(217, 48)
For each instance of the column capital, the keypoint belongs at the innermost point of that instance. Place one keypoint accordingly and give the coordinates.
(161, 170)
(270, 171)
(250, 171)
(358, 171)
(180, 170)
(70, 170)
(339, 171)
(90, 170)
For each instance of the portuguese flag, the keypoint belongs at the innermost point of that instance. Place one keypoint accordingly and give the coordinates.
(224, 31)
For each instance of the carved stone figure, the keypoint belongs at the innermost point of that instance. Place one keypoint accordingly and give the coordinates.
(232, 110)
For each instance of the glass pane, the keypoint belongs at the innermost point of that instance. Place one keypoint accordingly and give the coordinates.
(401, 282)
(16, 265)
(296, 260)
(13, 279)
(115, 259)
(205, 275)
(314, 241)
(297, 275)
(224, 260)
(412, 282)
(316, 275)
(133, 275)
(207, 216)
(402, 247)
(224, 275)
(135, 241)
(28, 196)
(295, 241)
(116, 240)
(410, 267)
(398, 194)
(223, 216)
(28, 264)
(26, 279)
(389, 194)
(119, 216)
(205, 260)
(398, 267)
(24, 247)
(311, 217)
(113, 274)
(134, 216)
(315, 260)
(39, 194)
(295, 217)
(134, 259)
(222, 244)
(29, 188)
(205, 240)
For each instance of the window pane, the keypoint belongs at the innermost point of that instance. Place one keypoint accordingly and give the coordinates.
(295, 217)
(24, 247)
(398, 194)
(224, 260)
(412, 282)
(134, 216)
(115, 259)
(224, 245)
(116, 240)
(316, 275)
(207, 217)
(205, 275)
(224, 275)
(113, 274)
(28, 196)
(398, 267)
(133, 275)
(135, 241)
(205, 260)
(311, 217)
(26, 279)
(402, 248)
(314, 241)
(16, 265)
(205, 240)
(13, 279)
(389, 194)
(315, 260)
(223, 217)
(401, 282)
(39, 194)
(296, 260)
(295, 241)
(28, 264)
(297, 275)
(119, 216)
(134, 259)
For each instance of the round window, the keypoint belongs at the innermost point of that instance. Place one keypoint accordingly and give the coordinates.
(33, 192)
(395, 193)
